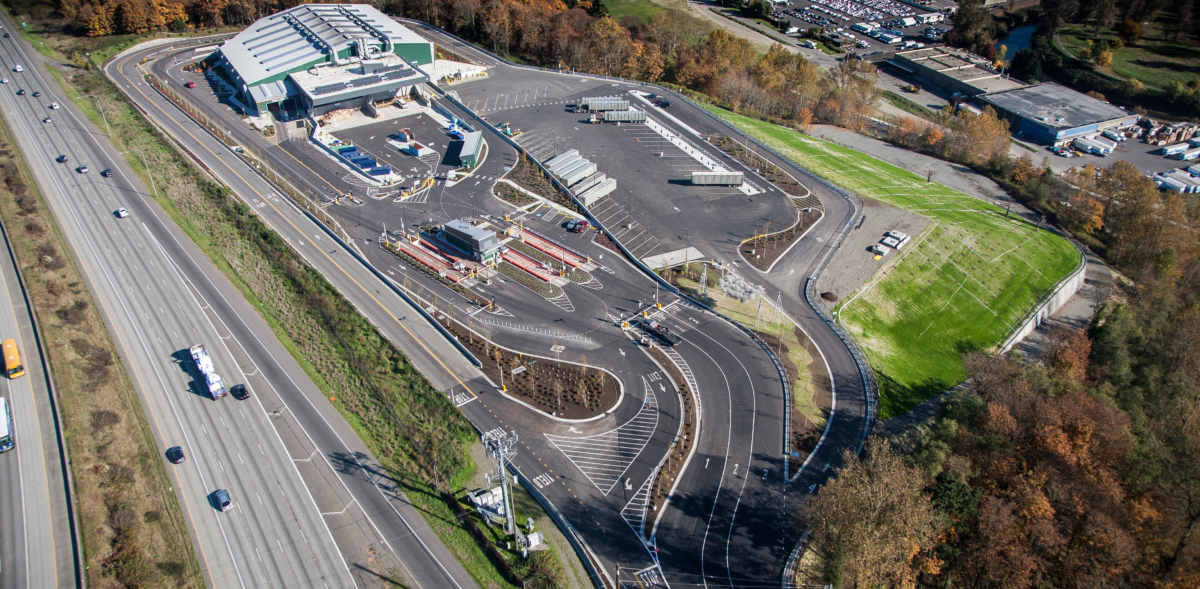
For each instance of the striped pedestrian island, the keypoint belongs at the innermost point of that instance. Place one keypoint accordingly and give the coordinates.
(604, 457)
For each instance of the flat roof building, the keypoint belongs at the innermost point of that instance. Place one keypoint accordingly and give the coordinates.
(1054, 115)
(472, 147)
(953, 69)
(480, 242)
(318, 57)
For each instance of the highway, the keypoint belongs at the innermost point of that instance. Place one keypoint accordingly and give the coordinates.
(37, 547)
(157, 298)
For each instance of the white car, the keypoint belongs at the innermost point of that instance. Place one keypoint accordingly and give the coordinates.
(46, 120)
(122, 213)
(53, 106)
(4, 81)
(18, 68)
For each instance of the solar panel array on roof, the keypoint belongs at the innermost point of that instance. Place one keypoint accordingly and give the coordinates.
(367, 81)
(329, 88)
(404, 70)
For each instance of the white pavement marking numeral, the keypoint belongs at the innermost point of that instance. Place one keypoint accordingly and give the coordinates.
(543, 479)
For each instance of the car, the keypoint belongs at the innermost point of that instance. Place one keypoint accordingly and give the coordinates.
(121, 213)
(18, 68)
(4, 81)
(36, 93)
(107, 173)
(5, 35)
(81, 169)
(175, 455)
(240, 392)
(581, 226)
(571, 225)
(190, 85)
(62, 159)
(46, 120)
(53, 106)
(221, 500)
(20, 92)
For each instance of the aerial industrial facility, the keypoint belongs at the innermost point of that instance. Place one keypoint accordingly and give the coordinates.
(321, 57)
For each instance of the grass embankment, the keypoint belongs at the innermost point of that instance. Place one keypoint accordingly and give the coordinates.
(412, 428)
(909, 106)
(132, 527)
(771, 324)
(961, 285)
(1153, 60)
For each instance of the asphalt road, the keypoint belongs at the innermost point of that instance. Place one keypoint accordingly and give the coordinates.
(153, 295)
(728, 524)
(37, 547)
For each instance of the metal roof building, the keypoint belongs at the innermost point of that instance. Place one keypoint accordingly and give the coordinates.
(956, 70)
(1052, 114)
(362, 48)
(471, 148)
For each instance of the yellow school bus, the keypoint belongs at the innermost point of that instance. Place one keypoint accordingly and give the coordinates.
(12, 359)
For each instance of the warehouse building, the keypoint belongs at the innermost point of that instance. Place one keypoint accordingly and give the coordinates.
(1054, 115)
(954, 70)
(315, 58)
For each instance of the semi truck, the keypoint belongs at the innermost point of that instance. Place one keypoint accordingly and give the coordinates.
(204, 364)
(659, 332)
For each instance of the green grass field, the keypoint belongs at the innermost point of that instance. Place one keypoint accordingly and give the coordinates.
(1154, 61)
(961, 285)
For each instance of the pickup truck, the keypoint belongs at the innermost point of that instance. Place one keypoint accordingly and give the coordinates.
(660, 332)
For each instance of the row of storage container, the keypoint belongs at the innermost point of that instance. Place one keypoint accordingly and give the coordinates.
(604, 103)
(632, 115)
(717, 178)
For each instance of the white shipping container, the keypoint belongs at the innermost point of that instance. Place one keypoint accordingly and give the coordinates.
(632, 115)
(717, 178)
(1171, 184)
(1194, 169)
(565, 163)
(1189, 155)
(595, 193)
(578, 173)
(1110, 144)
(588, 182)
(558, 158)
(1092, 147)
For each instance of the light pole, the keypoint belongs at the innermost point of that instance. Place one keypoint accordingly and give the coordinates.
(101, 107)
(144, 163)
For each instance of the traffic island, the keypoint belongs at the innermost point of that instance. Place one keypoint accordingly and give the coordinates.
(761, 251)
(559, 389)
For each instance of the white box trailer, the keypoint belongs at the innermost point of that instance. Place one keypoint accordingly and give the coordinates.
(1089, 146)
(1168, 183)
(1189, 155)
(597, 192)
(577, 173)
(718, 178)
(632, 115)
(1175, 148)
(908, 21)
(863, 27)
(1109, 143)
(204, 364)
(604, 103)
(933, 17)
(1194, 169)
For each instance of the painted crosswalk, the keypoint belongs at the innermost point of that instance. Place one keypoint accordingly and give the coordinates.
(603, 458)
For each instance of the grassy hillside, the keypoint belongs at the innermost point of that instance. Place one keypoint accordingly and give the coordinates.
(962, 285)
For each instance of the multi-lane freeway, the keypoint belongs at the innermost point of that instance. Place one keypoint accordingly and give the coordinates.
(37, 537)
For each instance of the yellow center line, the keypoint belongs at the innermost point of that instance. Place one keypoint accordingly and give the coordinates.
(298, 230)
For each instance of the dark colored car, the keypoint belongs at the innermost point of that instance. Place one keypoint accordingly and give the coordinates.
(175, 455)
(21, 92)
(62, 159)
(5, 35)
(36, 93)
(190, 85)
(107, 173)
(240, 392)
(221, 500)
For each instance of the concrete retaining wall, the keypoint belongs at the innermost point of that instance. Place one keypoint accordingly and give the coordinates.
(1049, 305)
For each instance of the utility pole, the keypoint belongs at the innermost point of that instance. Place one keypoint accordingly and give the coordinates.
(758, 313)
(499, 445)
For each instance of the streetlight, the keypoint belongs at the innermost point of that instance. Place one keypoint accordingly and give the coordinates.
(99, 106)
(144, 163)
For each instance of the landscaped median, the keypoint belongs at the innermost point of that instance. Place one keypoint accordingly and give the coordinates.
(963, 284)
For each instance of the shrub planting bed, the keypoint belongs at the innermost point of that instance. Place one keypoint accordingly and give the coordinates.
(574, 275)
(678, 452)
(527, 280)
(763, 250)
(564, 390)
